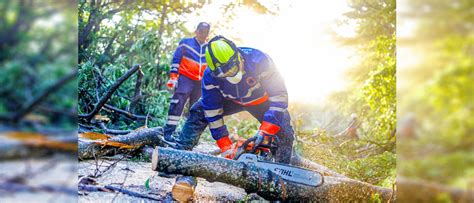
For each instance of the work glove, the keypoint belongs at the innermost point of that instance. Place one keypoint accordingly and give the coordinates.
(228, 150)
(262, 141)
(230, 153)
(173, 82)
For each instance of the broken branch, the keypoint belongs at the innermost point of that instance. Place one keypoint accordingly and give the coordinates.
(109, 93)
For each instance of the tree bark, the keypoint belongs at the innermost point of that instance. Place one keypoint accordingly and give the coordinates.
(127, 113)
(88, 149)
(161, 30)
(113, 131)
(138, 92)
(262, 181)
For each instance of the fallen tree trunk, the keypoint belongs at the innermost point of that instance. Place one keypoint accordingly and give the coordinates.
(298, 160)
(88, 149)
(262, 181)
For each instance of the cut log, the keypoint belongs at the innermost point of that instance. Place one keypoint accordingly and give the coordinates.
(183, 188)
(88, 149)
(264, 182)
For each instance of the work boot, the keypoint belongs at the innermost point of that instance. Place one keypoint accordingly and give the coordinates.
(169, 137)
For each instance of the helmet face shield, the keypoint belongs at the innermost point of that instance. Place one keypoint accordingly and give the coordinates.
(229, 68)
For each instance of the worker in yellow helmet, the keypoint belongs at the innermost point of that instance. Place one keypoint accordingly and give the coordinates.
(240, 79)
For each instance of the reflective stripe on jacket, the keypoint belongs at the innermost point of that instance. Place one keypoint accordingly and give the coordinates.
(261, 82)
(189, 59)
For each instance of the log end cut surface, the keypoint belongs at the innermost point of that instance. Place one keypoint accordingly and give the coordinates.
(183, 192)
(154, 159)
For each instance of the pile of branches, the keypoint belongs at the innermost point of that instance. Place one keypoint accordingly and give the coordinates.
(93, 121)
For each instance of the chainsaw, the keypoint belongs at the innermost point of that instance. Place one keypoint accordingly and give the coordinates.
(247, 153)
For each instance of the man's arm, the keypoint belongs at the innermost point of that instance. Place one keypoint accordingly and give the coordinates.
(177, 56)
(212, 103)
(274, 85)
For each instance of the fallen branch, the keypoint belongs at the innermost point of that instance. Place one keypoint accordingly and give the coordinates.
(109, 188)
(109, 93)
(138, 92)
(125, 113)
(88, 149)
(262, 181)
(113, 131)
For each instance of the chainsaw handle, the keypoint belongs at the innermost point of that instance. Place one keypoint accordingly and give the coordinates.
(243, 147)
(258, 142)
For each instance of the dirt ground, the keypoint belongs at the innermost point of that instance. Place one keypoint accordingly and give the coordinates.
(132, 174)
(57, 171)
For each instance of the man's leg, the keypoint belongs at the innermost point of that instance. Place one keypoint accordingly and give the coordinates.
(194, 95)
(286, 138)
(193, 128)
(285, 135)
(177, 103)
(197, 123)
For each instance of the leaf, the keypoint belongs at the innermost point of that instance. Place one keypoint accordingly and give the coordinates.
(147, 184)
(94, 136)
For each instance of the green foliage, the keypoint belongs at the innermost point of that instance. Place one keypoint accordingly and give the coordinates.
(244, 126)
(374, 169)
(37, 48)
(113, 37)
(440, 96)
(354, 158)
(372, 95)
